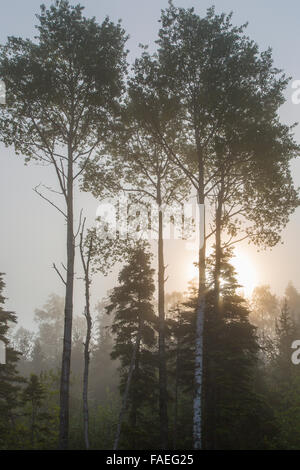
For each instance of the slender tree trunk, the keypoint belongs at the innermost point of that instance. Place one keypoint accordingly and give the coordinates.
(87, 314)
(218, 256)
(67, 341)
(212, 388)
(214, 391)
(218, 251)
(86, 366)
(163, 399)
(128, 383)
(200, 312)
(176, 396)
(134, 401)
(199, 355)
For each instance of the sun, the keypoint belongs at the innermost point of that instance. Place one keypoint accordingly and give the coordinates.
(246, 273)
(192, 271)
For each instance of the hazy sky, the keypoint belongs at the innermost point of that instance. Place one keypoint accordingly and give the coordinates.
(32, 234)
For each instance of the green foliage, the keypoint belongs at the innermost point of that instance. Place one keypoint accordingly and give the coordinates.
(201, 112)
(10, 381)
(229, 95)
(63, 86)
(236, 413)
(131, 304)
(40, 422)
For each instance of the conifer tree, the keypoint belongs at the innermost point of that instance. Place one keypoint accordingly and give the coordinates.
(134, 329)
(283, 380)
(231, 146)
(286, 332)
(64, 107)
(33, 396)
(232, 406)
(10, 381)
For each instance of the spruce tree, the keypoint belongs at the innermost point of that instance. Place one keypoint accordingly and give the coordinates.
(61, 110)
(135, 337)
(10, 381)
(283, 381)
(235, 413)
(33, 397)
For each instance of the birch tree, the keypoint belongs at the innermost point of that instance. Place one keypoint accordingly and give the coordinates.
(147, 173)
(228, 94)
(62, 99)
(86, 263)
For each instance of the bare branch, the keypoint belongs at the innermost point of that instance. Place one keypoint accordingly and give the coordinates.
(54, 266)
(79, 225)
(226, 245)
(48, 200)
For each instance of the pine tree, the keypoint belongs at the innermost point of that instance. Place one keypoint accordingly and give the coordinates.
(235, 413)
(285, 334)
(10, 381)
(37, 362)
(73, 80)
(283, 381)
(134, 329)
(236, 157)
(181, 360)
(34, 395)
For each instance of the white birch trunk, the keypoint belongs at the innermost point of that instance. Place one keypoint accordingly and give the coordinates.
(197, 431)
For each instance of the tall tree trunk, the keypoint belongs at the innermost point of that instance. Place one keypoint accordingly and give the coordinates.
(214, 391)
(163, 399)
(200, 312)
(218, 250)
(218, 256)
(176, 396)
(86, 365)
(87, 314)
(134, 401)
(128, 383)
(67, 341)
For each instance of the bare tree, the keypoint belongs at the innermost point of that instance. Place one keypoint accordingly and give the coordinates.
(86, 262)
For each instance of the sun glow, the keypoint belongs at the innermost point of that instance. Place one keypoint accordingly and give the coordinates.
(192, 271)
(246, 274)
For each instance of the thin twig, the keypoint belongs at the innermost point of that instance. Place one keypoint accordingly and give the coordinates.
(49, 201)
(59, 274)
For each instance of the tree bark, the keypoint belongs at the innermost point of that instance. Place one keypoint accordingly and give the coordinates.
(86, 365)
(176, 396)
(67, 341)
(200, 312)
(214, 391)
(163, 399)
(87, 314)
(218, 250)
